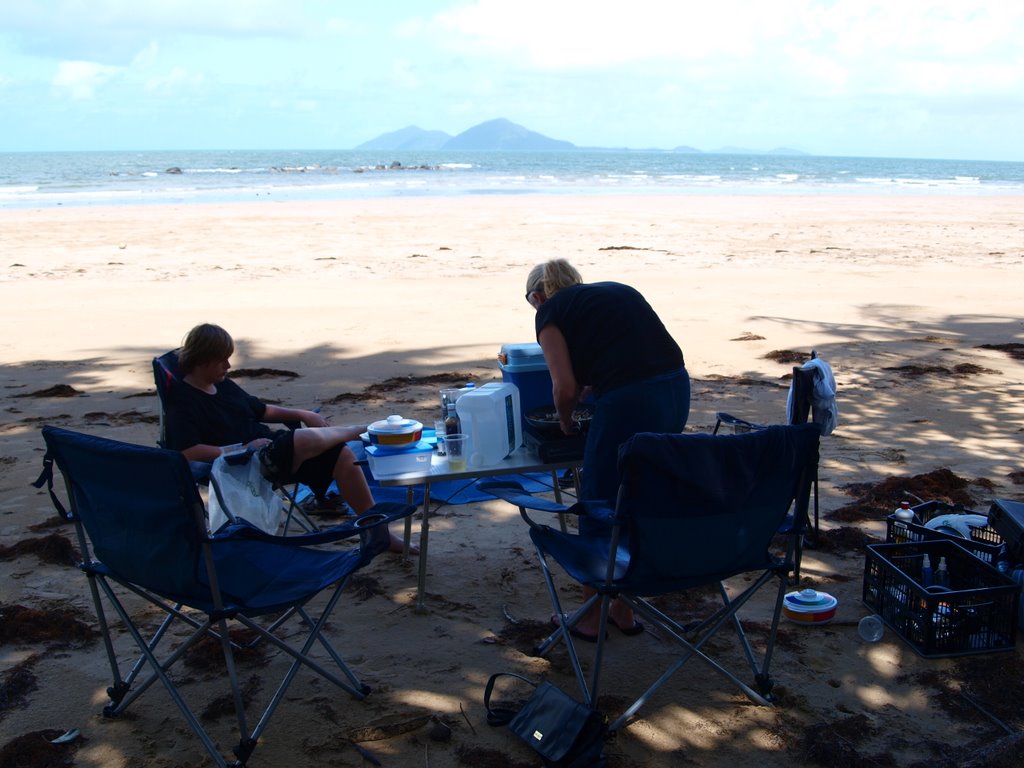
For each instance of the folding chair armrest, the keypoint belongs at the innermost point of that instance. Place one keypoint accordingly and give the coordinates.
(381, 513)
(513, 493)
(201, 470)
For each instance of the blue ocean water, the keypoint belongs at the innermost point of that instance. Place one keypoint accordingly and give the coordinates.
(111, 178)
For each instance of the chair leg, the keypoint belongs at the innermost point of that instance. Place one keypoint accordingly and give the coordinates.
(297, 513)
(159, 673)
(123, 693)
(562, 632)
(702, 633)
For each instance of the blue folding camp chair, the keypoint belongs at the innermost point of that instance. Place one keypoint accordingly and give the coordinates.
(167, 375)
(692, 510)
(141, 527)
(808, 400)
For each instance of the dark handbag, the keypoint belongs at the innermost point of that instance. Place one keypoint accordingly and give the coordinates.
(564, 732)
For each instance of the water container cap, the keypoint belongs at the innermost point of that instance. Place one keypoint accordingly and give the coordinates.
(810, 601)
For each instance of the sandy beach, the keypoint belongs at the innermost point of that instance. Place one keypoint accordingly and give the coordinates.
(914, 300)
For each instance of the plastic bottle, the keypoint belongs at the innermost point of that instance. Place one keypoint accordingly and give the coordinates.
(1003, 564)
(926, 572)
(904, 516)
(452, 423)
(942, 574)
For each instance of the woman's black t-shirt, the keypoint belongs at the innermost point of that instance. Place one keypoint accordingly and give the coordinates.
(614, 336)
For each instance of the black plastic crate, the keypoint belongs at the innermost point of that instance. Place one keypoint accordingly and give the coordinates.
(1007, 517)
(985, 543)
(977, 615)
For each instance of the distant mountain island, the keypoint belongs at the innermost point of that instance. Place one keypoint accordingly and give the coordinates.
(496, 135)
(501, 135)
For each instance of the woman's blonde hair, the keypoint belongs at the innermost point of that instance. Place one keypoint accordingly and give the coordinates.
(551, 277)
(205, 343)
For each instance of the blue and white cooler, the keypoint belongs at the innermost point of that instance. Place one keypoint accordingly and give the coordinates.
(524, 366)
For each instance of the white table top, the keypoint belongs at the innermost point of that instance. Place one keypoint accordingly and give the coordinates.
(520, 461)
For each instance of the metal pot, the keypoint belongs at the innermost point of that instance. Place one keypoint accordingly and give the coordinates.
(544, 420)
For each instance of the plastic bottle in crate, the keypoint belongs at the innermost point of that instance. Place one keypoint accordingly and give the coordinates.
(926, 572)
(1003, 562)
(901, 526)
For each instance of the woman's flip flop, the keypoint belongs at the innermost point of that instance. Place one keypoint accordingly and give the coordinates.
(636, 629)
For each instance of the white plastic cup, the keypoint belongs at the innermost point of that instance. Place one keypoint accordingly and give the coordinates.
(458, 449)
(870, 629)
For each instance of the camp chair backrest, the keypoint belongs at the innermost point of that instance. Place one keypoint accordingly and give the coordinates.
(167, 375)
(803, 389)
(699, 506)
(138, 506)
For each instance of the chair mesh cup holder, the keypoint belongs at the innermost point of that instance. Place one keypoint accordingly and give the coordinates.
(369, 520)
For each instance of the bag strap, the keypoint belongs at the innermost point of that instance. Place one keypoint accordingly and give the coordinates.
(215, 487)
(46, 478)
(501, 715)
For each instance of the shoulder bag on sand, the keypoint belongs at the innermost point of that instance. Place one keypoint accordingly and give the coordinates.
(565, 733)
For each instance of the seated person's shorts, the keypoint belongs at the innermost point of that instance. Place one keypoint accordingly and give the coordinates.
(276, 460)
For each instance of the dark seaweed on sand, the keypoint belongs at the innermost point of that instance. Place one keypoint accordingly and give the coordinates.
(37, 750)
(57, 390)
(381, 390)
(1013, 349)
(787, 356)
(262, 373)
(52, 548)
(16, 683)
(55, 626)
(876, 501)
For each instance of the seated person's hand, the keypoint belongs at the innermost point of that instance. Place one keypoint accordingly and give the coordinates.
(258, 443)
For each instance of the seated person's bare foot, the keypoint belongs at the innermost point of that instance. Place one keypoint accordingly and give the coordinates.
(397, 545)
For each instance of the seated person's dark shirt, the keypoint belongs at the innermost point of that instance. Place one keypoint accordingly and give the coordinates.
(230, 416)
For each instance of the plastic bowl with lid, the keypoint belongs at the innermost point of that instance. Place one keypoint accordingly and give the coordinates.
(395, 432)
(808, 606)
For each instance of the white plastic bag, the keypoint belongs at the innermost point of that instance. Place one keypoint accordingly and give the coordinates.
(824, 409)
(238, 489)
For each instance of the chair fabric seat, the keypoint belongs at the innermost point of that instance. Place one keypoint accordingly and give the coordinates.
(257, 579)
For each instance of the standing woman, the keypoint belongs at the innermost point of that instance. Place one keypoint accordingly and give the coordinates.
(605, 340)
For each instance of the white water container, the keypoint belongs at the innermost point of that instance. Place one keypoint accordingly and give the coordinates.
(491, 416)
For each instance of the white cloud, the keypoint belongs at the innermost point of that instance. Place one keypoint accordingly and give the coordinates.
(80, 79)
(178, 79)
(147, 56)
(812, 45)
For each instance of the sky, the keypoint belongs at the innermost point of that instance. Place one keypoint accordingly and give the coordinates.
(876, 78)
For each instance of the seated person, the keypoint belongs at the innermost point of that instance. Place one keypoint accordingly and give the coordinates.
(213, 412)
